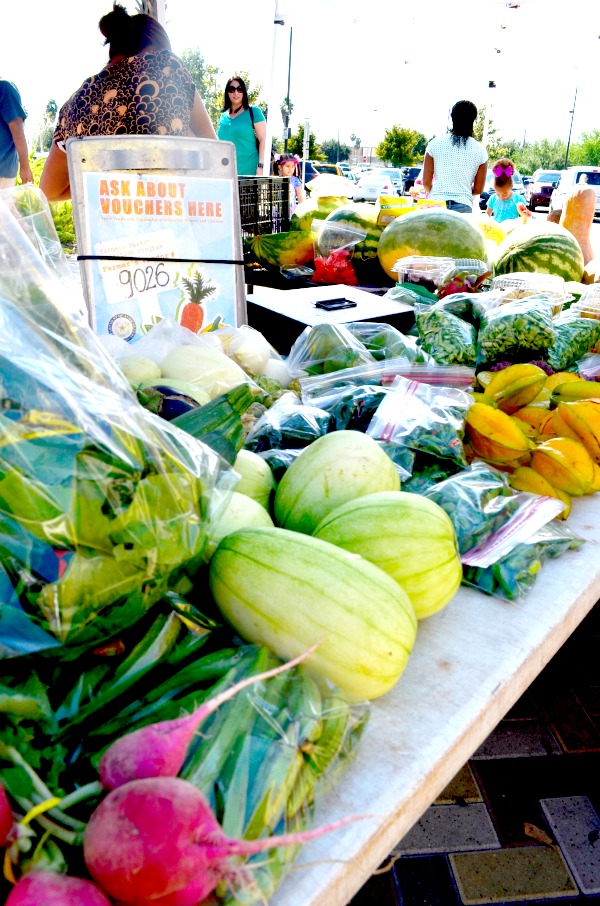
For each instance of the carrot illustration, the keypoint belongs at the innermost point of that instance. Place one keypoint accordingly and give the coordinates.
(192, 313)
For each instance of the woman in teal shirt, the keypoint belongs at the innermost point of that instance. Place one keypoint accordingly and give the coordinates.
(245, 126)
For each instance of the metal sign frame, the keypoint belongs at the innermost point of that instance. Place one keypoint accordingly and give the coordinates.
(195, 229)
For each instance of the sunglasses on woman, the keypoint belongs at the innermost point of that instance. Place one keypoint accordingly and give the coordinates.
(233, 88)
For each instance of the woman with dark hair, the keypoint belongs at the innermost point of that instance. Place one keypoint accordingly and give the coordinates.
(457, 161)
(143, 90)
(245, 126)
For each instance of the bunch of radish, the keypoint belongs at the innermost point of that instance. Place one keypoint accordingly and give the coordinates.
(154, 839)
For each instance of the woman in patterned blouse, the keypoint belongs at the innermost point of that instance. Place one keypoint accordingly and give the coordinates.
(144, 90)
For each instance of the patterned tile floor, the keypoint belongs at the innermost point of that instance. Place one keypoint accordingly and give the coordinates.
(520, 822)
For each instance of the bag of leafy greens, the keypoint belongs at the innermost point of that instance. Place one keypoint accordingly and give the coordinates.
(103, 506)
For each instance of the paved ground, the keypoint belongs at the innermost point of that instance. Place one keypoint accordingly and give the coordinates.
(520, 823)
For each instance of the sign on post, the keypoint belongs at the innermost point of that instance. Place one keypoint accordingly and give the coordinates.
(158, 227)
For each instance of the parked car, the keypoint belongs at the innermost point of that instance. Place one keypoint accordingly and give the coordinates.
(309, 173)
(361, 168)
(373, 184)
(572, 177)
(518, 188)
(539, 190)
(395, 175)
(332, 169)
(409, 174)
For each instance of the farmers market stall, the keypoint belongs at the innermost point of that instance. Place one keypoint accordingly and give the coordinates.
(425, 499)
(470, 664)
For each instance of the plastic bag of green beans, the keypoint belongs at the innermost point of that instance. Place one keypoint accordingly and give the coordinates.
(574, 338)
(449, 339)
(478, 500)
(517, 331)
(513, 575)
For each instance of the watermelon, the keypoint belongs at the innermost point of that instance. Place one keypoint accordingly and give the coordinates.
(289, 249)
(435, 232)
(314, 209)
(543, 247)
(363, 216)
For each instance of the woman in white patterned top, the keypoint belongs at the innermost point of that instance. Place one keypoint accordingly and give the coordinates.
(458, 162)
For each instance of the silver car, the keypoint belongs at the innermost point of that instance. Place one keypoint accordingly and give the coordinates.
(575, 176)
(373, 184)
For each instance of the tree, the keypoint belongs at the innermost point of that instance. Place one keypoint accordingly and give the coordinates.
(43, 139)
(333, 151)
(399, 146)
(296, 144)
(544, 154)
(587, 150)
(494, 144)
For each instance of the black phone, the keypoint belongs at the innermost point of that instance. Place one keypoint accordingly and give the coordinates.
(335, 304)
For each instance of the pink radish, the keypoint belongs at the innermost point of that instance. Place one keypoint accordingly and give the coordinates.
(159, 750)
(157, 840)
(7, 820)
(46, 888)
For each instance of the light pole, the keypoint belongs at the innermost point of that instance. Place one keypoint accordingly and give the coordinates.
(572, 112)
(287, 100)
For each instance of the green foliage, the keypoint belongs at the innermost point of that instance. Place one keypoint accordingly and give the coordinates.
(587, 151)
(43, 138)
(399, 146)
(546, 154)
(335, 151)
(62, 211)
(296, 143)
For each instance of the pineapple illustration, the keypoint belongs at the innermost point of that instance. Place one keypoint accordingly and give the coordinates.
(192, 313)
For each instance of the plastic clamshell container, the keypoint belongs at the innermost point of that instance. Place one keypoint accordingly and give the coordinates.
(430, 272)
(522, 284)
(590, 296)
(589, 308)
(470, 266)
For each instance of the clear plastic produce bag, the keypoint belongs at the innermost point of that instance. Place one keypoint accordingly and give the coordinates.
(446, 337)
(575, 336)
(324, 348)
(103, 506)
(423, 417)
(288, 424)
(386, 342)
(517, 331)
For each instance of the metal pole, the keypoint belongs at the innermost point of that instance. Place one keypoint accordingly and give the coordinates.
(287, 116)
(572, 112)
(278, 21)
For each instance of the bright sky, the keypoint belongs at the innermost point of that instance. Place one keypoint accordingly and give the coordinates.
(356, 66)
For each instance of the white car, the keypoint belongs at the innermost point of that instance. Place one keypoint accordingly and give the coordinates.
(572, 177)
(373, 184)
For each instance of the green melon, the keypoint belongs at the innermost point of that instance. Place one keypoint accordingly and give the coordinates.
(435, 232)
(363, 216)
(542, 247)
(408, 536)
(287, 591)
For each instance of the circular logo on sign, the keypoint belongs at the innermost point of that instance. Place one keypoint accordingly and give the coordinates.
(122, 326)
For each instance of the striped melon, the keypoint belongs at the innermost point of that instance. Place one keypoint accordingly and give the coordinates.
(434, 231)
(363, 216)
(408, 536)
(542, 247)
(287, 591)
(314, 209)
